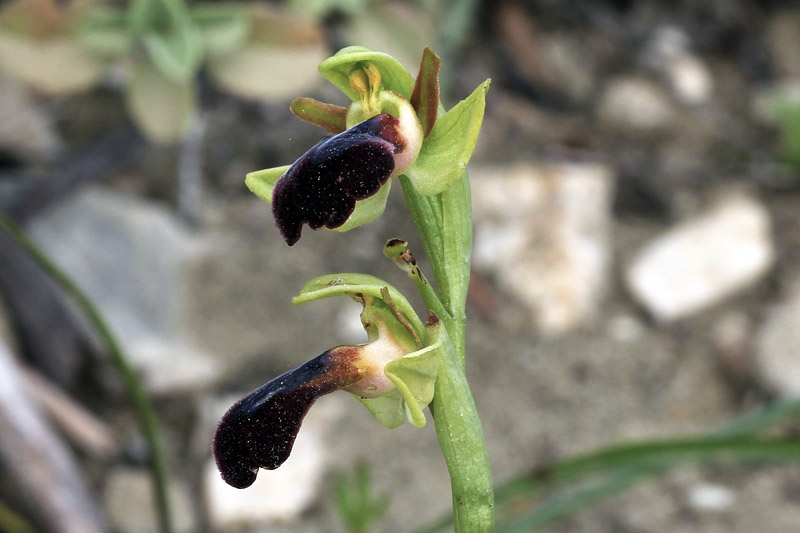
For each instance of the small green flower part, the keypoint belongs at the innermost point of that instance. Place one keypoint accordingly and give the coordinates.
(340, 184)
(413, 375)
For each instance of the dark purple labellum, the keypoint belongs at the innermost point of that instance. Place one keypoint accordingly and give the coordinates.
(321, 188)
(260, 429)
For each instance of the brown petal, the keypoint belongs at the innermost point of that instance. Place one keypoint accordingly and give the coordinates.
(425, 98)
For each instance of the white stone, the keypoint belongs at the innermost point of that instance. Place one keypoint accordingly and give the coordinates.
(708, 497)
(129, 256)
(545, 233)
(690, 79)
(702, 261)
(778, 346)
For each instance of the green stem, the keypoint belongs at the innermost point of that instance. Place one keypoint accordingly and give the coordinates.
(460, 435)
(141, 403)
(444, 222)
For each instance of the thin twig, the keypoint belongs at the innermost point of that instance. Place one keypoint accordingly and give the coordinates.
(141, 403)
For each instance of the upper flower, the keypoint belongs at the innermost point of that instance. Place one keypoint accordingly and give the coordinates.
(393, 375)
(396, 126)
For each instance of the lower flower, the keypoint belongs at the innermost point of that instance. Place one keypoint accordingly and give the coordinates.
(393, 375)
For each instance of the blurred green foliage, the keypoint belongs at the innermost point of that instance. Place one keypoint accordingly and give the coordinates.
(787, 112)
(358, 508)
(252, 50)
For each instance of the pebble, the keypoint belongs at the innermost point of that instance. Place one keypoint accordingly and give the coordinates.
(709, 497)
(702, 261)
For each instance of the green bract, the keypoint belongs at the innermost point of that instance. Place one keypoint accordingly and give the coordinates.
(447, 150)
(414, 374)
(378, 83)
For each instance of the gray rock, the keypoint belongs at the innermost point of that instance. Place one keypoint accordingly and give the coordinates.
(702, 261)
(544, 232)
(129, 256)
(129, 501)
(778, 346)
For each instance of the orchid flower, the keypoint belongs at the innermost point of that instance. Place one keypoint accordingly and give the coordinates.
(393, 375)
(394, 125)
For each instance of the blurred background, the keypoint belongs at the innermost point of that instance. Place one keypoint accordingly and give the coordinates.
(635, 276)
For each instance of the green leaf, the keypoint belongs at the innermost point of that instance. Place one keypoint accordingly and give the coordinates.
(261, 182)
(224, 28)
(332, 118)
(348, 284)
(160, 107)
(105, 32)
(447, 150)
(169, 36)
(394, 76)
(177, 54)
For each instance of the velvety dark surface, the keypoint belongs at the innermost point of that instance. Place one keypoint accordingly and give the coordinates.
(321, 188)
(260, 429)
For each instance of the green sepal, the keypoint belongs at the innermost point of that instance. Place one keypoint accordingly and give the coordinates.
(447, 150)
(414, 376)
(261, 182)
(388, 409)
(394, 76)
(352, 284)
(368, 209)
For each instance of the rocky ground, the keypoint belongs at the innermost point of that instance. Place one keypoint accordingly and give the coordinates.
(637, 237)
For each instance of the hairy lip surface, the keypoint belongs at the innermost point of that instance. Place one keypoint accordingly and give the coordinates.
(260, 429)
(321, 188)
